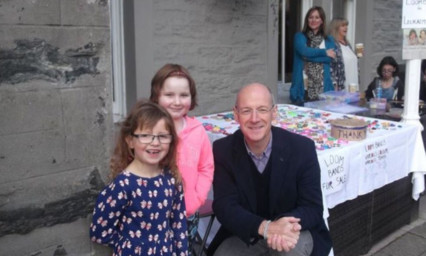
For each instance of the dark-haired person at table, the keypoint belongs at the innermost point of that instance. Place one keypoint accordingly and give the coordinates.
(267, 193)
(392, 86)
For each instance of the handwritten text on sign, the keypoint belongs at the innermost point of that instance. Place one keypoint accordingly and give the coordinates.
(376, 155)
(413, 14)
(336, 176)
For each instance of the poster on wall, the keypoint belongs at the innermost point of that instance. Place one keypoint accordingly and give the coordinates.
(414, 29)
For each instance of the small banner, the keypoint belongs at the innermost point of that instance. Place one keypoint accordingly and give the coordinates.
(414, 29)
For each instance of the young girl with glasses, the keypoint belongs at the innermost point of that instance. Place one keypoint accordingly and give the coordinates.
(173, 88)
(142, 212)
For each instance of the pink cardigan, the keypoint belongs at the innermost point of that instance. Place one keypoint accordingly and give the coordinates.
(195, 163)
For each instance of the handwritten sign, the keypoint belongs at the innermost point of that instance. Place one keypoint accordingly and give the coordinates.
(414, 29)
(334, 174)
(376, 154)
(413, 14)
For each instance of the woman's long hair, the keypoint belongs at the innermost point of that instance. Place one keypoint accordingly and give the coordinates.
(322, 29)
(333, 28)
(172, 70)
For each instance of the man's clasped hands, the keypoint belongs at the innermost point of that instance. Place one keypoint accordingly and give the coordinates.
(281, 234)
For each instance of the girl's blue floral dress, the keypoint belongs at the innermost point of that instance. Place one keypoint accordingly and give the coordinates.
(141, 216)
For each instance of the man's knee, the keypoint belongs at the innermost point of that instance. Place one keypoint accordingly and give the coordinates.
(304, 246)
(234, 246)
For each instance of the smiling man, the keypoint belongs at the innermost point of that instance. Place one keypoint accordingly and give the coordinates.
(267, 193)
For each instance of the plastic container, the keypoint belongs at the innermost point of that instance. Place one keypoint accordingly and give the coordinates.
(378, 103)
(379, 92)
(342, 96)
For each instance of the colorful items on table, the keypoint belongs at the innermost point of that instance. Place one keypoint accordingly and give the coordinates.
(310, 123)
(214, 128)
(382, 125)
(229, 116)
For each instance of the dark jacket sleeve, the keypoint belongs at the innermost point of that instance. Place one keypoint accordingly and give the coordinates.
(423, 91)
(227, 205)
(307, 193)
(401, 88)
(371, 87)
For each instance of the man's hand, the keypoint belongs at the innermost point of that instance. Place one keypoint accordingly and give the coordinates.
(283, 233)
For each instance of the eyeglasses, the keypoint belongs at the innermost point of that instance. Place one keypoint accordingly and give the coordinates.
(149, 138)
(259, 110)
(387, 71)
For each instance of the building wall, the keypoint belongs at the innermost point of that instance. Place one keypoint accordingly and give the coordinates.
(55, 96)
(224, 44)
(379, 27)
(55, 123)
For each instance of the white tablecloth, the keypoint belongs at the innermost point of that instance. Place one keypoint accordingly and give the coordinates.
(348, 168)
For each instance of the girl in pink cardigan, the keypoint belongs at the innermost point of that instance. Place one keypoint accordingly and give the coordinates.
(174, 89)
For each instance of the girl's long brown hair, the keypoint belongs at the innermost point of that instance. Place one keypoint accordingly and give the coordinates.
(172, 70)
(144, 115)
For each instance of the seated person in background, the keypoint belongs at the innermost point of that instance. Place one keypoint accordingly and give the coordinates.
(388, 80)
(423, 82)
(267, 192)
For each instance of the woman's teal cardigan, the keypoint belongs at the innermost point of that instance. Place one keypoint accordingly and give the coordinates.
(304, 53)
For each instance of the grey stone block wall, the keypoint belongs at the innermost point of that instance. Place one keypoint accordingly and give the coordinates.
(224, 44)
(56, 129)
(385, 39)
(55, 124)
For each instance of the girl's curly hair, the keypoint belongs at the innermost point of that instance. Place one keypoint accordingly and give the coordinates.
(144, 115)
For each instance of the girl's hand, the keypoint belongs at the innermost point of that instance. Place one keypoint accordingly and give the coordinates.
(331, 53)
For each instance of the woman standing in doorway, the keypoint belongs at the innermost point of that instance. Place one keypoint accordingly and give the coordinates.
(338, 30)
(313, 53)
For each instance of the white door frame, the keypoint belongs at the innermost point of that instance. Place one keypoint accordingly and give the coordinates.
(118, 64)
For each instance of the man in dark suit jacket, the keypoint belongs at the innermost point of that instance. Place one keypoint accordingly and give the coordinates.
(267, 193)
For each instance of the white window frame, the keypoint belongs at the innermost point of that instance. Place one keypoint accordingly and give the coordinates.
(118, 61)
(350, 14)
(306, 4)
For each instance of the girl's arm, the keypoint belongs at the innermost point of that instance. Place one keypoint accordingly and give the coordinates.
(178, 223)
(205, 169)
(106, 215)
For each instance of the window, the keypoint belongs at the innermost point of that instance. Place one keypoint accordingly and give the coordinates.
(118, 63)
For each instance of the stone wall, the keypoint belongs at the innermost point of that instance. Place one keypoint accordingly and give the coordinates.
(55, 123)
(387, 38)
(224, 44)
(55, 96)
(379, 27)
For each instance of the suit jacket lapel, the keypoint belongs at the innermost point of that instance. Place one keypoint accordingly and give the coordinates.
(242, 170)
(280, 159)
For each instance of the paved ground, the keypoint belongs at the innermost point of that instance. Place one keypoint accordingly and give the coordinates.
(409, 240)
